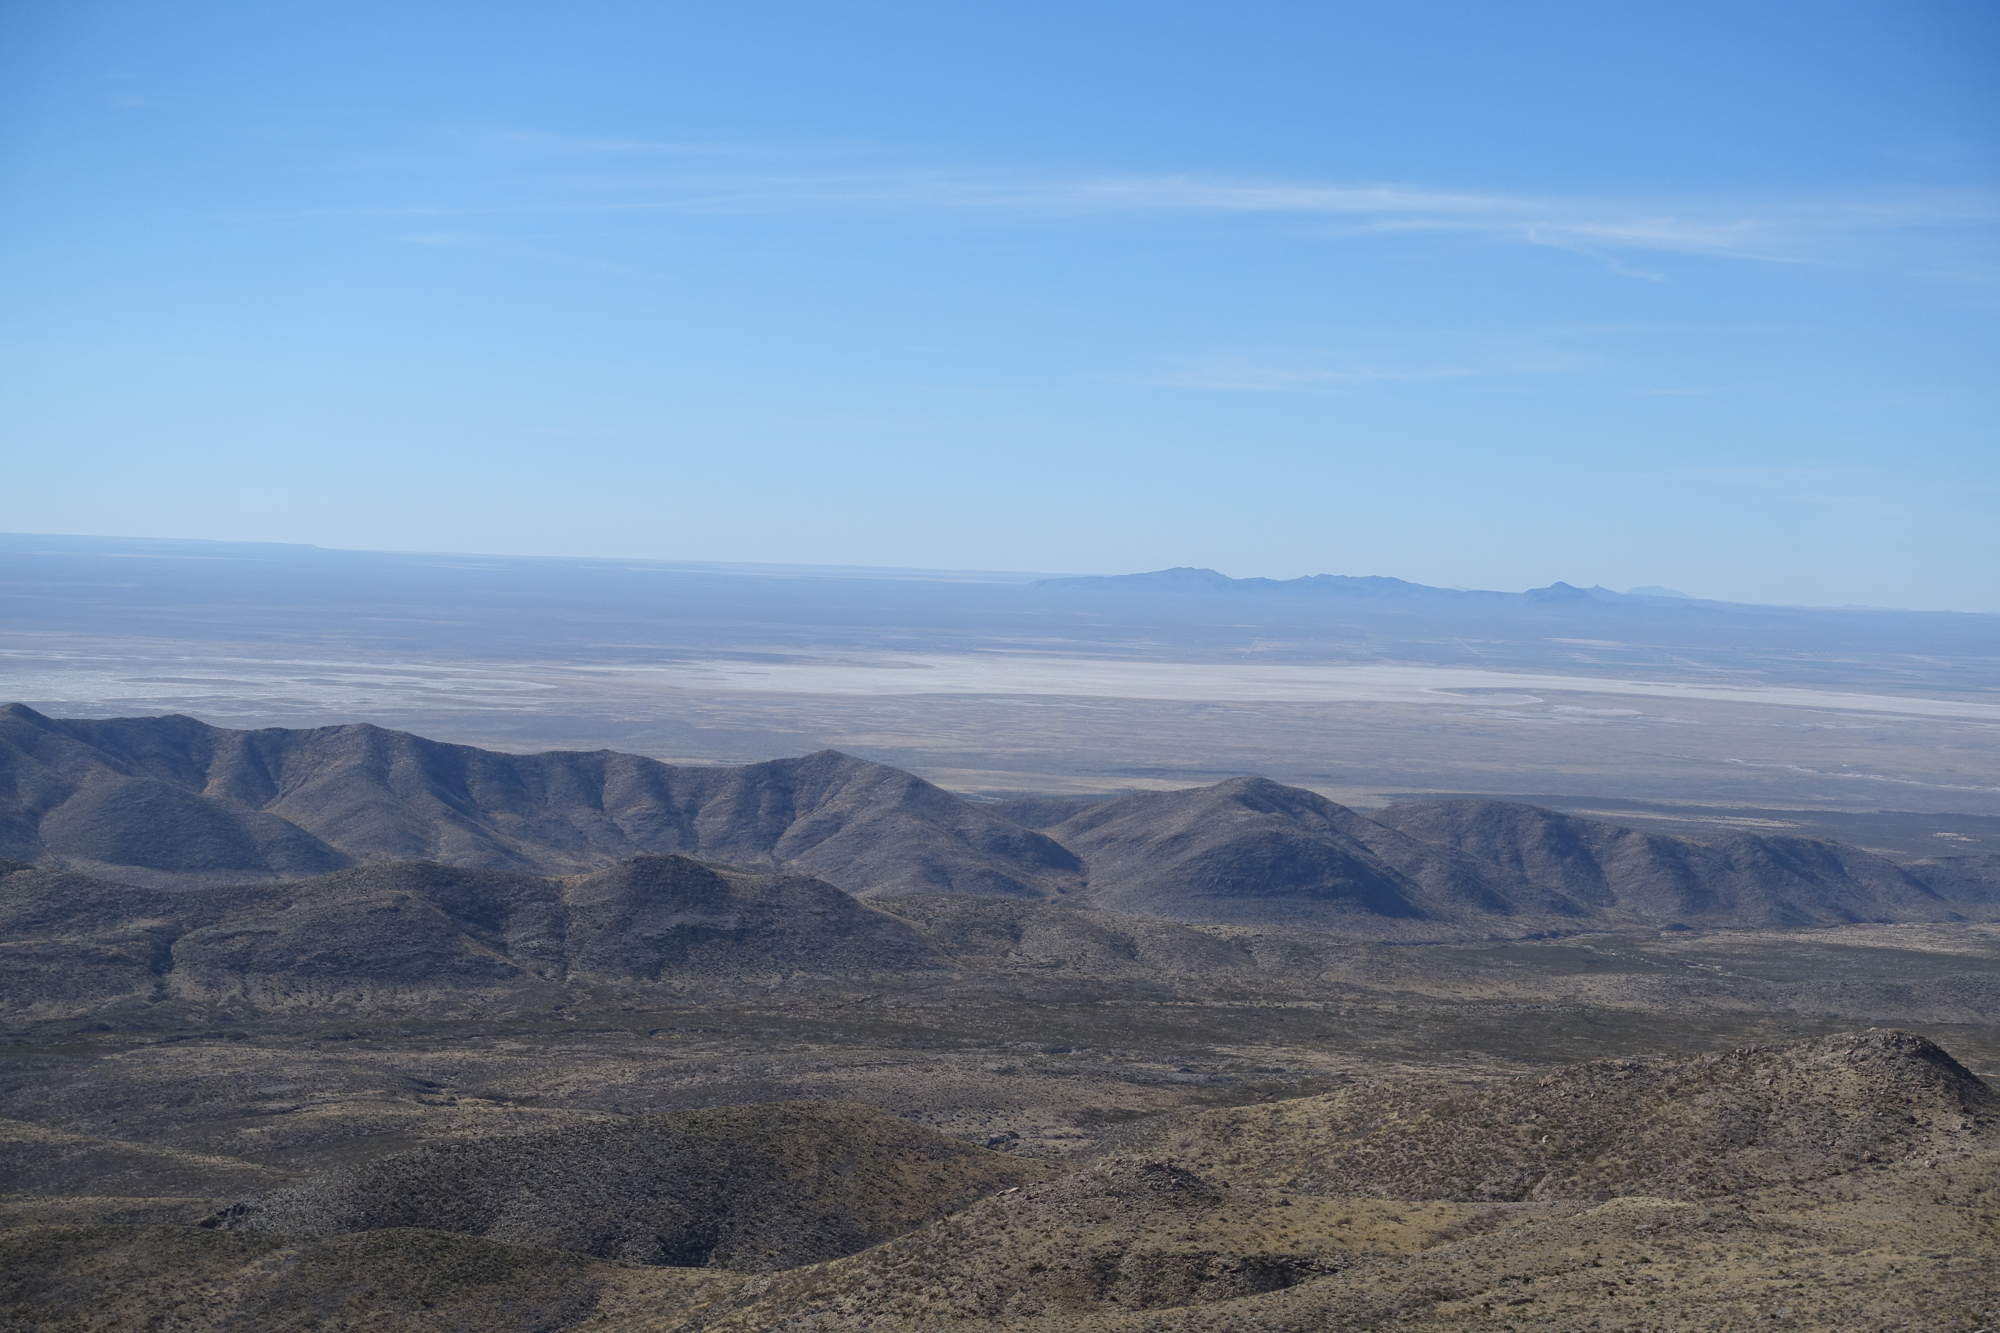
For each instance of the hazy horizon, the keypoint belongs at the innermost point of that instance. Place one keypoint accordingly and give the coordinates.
(1659, 587)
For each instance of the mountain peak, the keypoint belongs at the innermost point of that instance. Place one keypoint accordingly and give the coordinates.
(830, 757)
(1560, 591)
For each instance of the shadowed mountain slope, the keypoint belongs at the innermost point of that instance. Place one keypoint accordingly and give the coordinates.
(1907, 1250)
(1967, 880)
(101, 1279)
(768, 1186)
(1118, 1237)
(1626, 876)
(1251, 850)
(1683, 1128)
(420, 937)
(399, 932)
(45, 1162)
(1008, 933)
(179, 798)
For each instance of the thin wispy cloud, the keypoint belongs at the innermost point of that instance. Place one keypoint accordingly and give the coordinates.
(1150, 194)
(561, 174)
(1779, 234)
(1611, 262)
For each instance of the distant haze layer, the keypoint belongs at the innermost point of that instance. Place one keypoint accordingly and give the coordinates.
(1355, 687)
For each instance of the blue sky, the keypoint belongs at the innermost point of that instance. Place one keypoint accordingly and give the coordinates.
(1690, 294)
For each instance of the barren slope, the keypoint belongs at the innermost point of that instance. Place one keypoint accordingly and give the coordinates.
(1253, 851)
(1625, 876)
(769, 1186)
(406, 934)
(1687, 1127)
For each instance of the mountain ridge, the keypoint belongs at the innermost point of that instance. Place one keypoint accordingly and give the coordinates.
(172, 802)
(280, 802)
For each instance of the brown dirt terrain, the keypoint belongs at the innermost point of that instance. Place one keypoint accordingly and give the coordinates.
(1900, 1235)
(1689, 1128)
(751, 1188)
(1460, 1064)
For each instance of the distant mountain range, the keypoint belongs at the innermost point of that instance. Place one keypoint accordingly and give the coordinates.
(1186, 580)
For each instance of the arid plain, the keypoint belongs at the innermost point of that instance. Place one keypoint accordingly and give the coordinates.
(999, 684)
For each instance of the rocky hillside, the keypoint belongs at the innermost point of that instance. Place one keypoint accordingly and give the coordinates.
(1682, 1128)
(1850, 1181)
(1113, 1239)
(749, 1188)
(1557, 1201)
